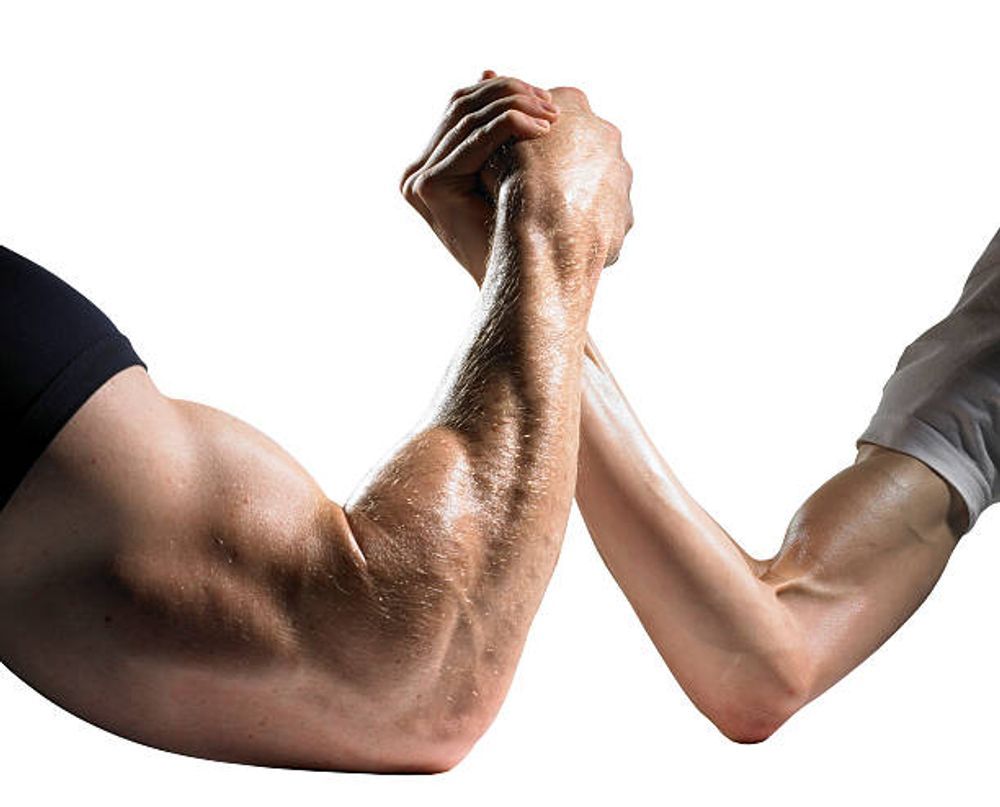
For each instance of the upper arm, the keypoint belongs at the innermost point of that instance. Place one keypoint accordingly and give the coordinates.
(308, 618)
(860, 556)
(210, 600)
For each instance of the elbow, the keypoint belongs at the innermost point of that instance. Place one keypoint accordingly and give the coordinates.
(427, 761)
(387, 743)
(754, 710)
(446, 736)
(748, 726)
(430, 724)
(443, 755)
(436, 746)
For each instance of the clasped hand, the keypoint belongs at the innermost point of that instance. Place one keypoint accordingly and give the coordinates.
(571, 177)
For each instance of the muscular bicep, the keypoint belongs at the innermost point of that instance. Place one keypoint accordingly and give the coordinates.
(860, 556)
(329, 624)
(195, 590)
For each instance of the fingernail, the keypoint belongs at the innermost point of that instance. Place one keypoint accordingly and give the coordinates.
(541, 123)
(543, 94)
(549, 107)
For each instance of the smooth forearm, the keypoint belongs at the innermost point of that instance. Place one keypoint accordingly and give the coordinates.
(753, 641)
(722, 630)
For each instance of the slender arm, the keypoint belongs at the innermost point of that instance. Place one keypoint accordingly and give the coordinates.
(752, 641)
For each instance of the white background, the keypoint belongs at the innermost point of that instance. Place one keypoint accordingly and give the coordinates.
(812, 185)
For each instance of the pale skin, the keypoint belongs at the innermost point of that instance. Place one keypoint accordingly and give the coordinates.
(169, 573)
(752, 641)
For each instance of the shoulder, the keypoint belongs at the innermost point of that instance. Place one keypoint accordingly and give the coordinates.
(145, 456)
(146, 485)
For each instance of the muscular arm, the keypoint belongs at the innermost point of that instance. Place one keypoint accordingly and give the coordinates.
(170, 574)
(752, 641)
(462, 527)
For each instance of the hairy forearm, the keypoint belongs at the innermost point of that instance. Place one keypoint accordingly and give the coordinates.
(462, 527)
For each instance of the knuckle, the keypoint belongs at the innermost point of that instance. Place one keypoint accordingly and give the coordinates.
(519, 101)
(423, 185)
(531, 100)
(409, 181)
(516, 120)
(481, 127)
(493, 128)
(505, 118)
(494, 109)
(457, 108)
(468, 121)
(406, 180)
(573, 92)
(513, 85)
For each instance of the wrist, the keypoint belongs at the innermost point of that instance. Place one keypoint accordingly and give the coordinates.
(537, 215)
